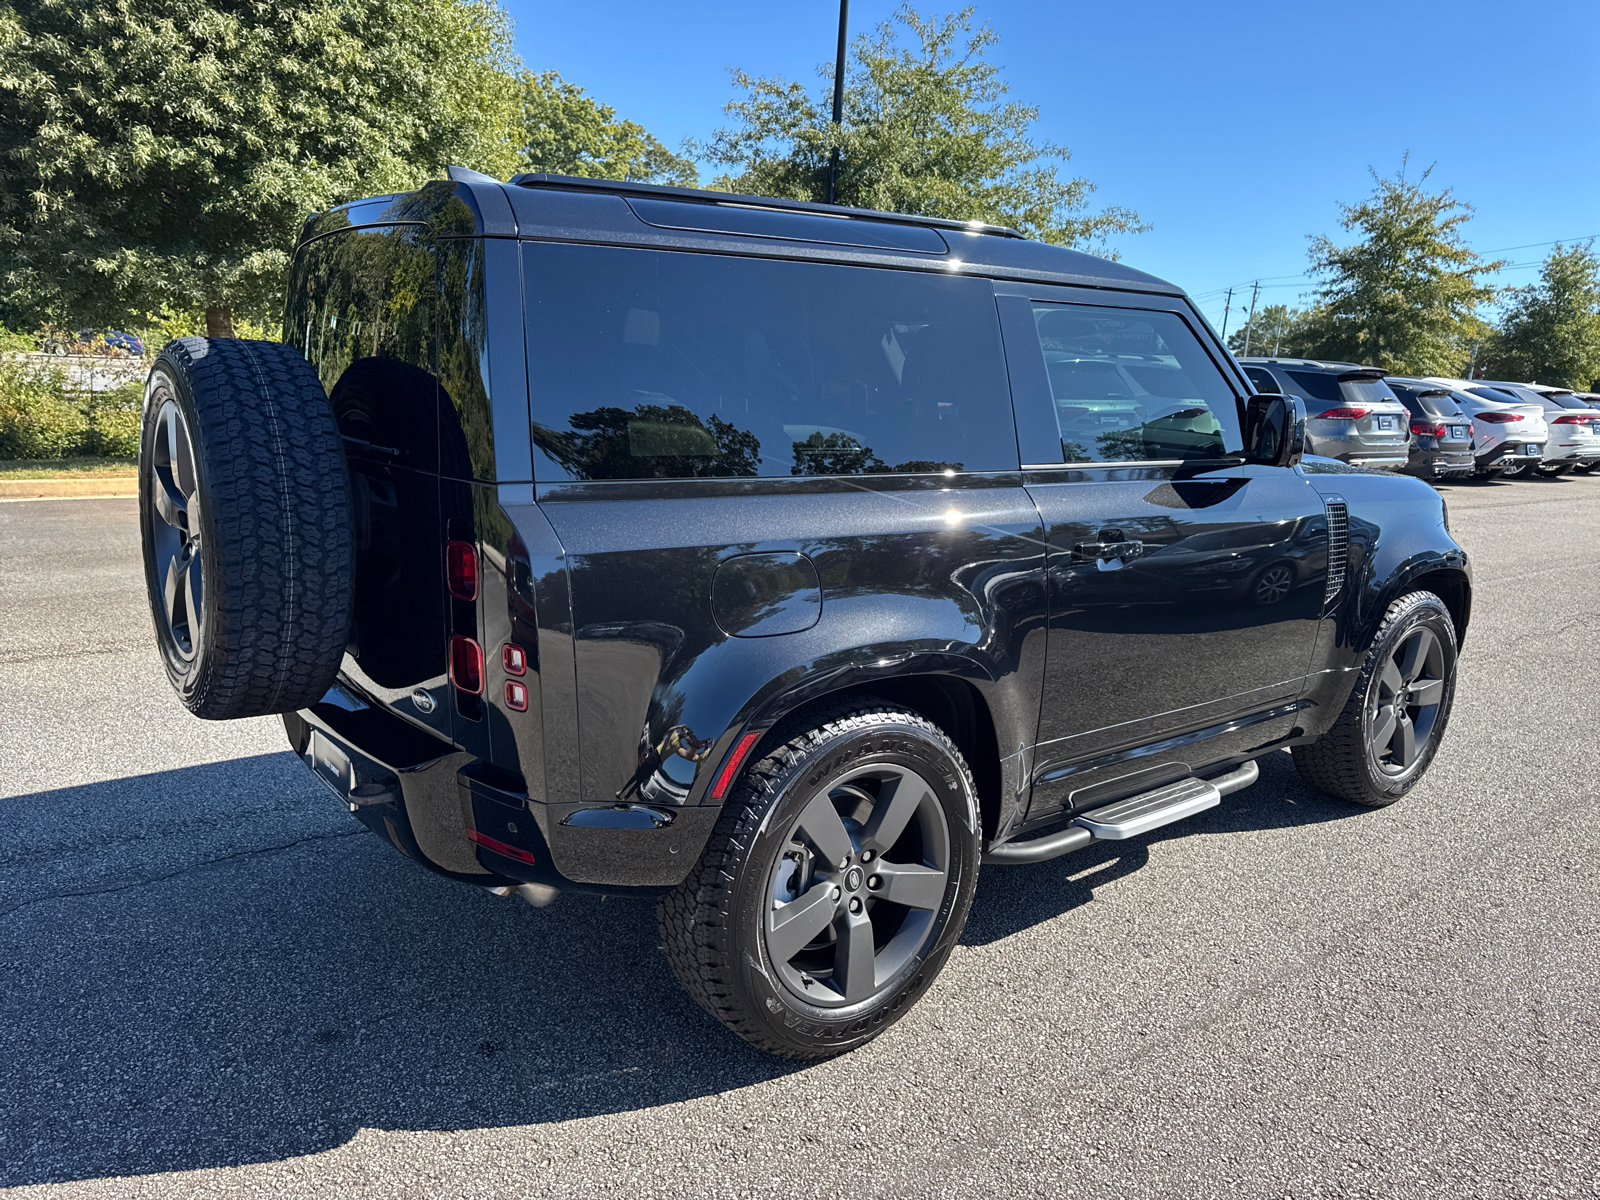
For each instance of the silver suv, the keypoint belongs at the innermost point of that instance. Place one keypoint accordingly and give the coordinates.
(1351, 414)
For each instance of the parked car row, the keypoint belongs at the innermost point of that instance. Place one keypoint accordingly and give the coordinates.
(1434, 427)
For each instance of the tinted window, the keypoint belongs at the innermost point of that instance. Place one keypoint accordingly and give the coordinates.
(1130, 385)
(1566, 400)
(1495, 394)
(794, 226)
(1314, 385)
(1264, 383)
(1412, 399)
(658, 365)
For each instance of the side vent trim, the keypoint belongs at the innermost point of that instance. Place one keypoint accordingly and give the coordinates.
(1338, 547)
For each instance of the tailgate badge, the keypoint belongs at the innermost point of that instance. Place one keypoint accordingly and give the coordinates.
(423, 701)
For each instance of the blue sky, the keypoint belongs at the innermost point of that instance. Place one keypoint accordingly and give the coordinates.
(1234, 129)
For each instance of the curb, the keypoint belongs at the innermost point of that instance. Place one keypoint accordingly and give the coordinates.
(102, 487)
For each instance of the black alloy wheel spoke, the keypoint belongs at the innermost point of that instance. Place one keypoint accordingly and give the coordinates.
(1417, 650)
(911, 884)
(795, 925)
(1425, 693)
(822, 826)
(898, 801)
(855, 959)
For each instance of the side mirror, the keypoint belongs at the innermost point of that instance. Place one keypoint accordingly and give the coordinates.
(1275, 430)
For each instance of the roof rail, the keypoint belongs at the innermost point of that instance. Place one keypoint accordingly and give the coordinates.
(534, 179)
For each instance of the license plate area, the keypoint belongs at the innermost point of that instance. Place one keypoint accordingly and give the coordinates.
(1530, 451)
(329, 763)
(1385, 423)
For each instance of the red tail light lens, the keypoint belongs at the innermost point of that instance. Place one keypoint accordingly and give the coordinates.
(1498, 418)
(1576, 419)
(461, 569)
(1423, 429)
(466, 664)
(1344, 414)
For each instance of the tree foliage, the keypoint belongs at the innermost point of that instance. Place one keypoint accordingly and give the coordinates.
(1404, 296)
(927, 130)
(1551, 331)
(156, 154)
(1275, 329)
(567, 132)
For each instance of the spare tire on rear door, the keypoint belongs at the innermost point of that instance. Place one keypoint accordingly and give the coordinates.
(245, 518)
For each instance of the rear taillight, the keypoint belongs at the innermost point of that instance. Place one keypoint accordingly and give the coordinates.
(499, 847)
(461, 569)
(1498, 418)
(1345, 414)
(1422, 429)
(466, 665)
(1576, 419)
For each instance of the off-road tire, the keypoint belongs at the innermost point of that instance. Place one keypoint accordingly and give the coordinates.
(710, 924)
(272, 527)
(1338, 762)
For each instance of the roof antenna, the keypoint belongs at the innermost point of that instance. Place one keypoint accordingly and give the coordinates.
(467, 175)
(838, 102)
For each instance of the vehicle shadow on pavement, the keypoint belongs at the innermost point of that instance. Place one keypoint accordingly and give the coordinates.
(1013, 898)
(273, 1004)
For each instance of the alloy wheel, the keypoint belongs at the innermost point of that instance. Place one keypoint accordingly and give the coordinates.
(1274, 584)
(175, 528)
(1405, 706)
(857, 885)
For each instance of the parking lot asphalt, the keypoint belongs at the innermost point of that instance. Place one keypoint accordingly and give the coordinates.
(212, 984)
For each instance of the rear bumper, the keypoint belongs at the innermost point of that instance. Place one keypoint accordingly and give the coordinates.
(458, 816)
(1496, 456)
(1432, 464)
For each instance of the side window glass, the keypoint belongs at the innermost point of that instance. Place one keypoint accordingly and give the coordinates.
(1263, 381)
(658, 365)
(1130, 385)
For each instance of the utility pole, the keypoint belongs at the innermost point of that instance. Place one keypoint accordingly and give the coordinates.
(1277, 337)
(838, 102)
(1473, 365)
(1225, 309)
(1256, 291)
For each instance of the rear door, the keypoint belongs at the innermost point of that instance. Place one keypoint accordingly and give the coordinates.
(1184, 585)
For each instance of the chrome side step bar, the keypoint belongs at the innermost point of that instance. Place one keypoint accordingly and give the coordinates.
(1129, 818)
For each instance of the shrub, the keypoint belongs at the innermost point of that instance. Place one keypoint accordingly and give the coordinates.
(41, 417)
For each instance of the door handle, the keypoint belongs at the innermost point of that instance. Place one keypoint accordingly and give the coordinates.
(1092, 551)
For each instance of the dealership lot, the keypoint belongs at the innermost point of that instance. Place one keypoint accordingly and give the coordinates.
(211, 983)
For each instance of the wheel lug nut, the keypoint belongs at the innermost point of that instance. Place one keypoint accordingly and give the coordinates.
(844, 862)
(855, 904)
(866, 856)
(874, 883)
(836, 892)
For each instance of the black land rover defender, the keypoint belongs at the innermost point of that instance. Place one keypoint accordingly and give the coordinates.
(788, 561)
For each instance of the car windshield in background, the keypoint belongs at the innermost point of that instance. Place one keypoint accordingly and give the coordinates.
(1132, 386)
(652, 365)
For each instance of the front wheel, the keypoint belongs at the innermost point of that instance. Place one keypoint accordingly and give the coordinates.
(835, 885)
(1389, 731)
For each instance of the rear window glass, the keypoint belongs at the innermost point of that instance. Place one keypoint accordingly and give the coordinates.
(1567, 401)
(1314, 385)
(1133, 386)
(658, 365)
(1366, 391)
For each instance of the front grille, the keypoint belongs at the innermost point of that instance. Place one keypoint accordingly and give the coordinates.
(1338, 547)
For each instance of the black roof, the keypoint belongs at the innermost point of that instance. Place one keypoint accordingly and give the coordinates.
(619, 213)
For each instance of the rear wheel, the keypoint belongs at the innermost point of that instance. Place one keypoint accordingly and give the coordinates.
(835, 885)
(1390, 728)
(1585, 468)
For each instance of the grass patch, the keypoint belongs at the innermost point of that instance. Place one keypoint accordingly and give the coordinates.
(67, 468)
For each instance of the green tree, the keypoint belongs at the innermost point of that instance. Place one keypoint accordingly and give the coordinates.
(568, 133)
(927, 130)
(1551, 331)
(1275, 329)
(162, 154)
(1404, 296)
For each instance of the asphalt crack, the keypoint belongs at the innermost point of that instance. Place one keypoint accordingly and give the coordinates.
(185, 870)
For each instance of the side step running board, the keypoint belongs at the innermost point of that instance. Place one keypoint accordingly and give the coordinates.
(1129, 818)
